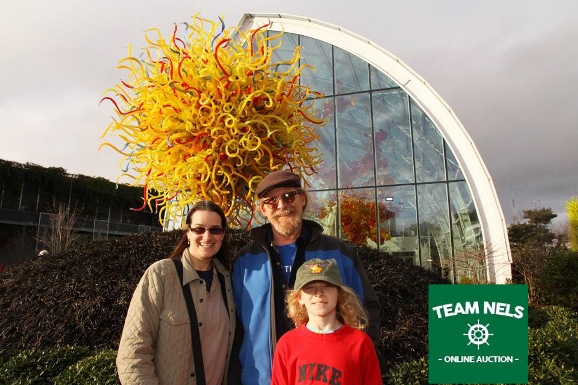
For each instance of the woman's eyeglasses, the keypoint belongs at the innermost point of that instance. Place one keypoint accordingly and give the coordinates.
(212, 230)
(288, 197)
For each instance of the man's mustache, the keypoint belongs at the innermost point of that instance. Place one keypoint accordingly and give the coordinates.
(285, 212)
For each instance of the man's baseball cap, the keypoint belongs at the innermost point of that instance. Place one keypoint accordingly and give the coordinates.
(280, 178)
(318, 270)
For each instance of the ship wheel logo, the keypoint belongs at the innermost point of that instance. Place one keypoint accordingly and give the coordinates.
(478, 334)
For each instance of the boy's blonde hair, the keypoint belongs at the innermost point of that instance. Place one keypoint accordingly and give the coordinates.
(349, 310)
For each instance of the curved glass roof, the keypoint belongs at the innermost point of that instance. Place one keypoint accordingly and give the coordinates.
(399, 171)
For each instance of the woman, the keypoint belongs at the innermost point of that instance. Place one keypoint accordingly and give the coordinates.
(157, 345)
(328, 344)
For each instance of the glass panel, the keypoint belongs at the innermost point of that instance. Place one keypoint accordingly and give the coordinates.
(322, 208)
(465, 222)
(434, 228)
(398, 224)
(351, 73)
(454, 169)
(354, 145)
(470, 256)
(429, 157)
(286, 51)
(358, 216)
(380, 80)
(319, 55)
(326, 171)
(100, 230)
(392, 137)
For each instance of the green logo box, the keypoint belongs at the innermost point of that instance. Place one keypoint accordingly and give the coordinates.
(478, 334)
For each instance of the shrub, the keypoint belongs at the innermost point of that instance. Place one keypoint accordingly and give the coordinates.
(37, 366)
(97, 369)
(558, 281)
(5, 355)
(77, 298)
(80, 298)
(402, 290)
(408, 373)
(553, 347)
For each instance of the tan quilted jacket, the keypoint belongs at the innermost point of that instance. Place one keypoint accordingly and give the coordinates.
(155, 347)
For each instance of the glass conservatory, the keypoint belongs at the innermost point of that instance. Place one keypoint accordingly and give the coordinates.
(399, 171)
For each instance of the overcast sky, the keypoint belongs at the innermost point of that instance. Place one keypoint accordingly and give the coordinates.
(508, 69)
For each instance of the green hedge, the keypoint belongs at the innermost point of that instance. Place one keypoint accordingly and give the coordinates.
(552, 359)
(97, 369)
(58, 365)
(408, 373)
(553, 348)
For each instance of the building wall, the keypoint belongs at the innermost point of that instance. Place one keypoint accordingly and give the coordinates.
(30, 196)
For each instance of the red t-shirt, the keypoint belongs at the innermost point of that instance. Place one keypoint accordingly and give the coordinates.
(344, 357)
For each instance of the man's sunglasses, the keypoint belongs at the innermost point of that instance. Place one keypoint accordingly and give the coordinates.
(288, 197)
(212, 230)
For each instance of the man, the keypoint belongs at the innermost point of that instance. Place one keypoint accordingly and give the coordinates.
(266, 268)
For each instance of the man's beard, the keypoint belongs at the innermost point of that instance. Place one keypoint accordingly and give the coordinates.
(286, 221)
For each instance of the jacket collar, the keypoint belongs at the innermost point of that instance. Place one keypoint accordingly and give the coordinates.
(189, 272)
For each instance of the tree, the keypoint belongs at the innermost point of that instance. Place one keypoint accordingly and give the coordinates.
(60, 235)
(530, 243)
(471, 264)
(559, 279)
(539, 217)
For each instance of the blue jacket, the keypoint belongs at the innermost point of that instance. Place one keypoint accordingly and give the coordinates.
(259, 292)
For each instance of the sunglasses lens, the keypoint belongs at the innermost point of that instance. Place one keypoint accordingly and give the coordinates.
(288, 197)
(271, 201)
(212, 230)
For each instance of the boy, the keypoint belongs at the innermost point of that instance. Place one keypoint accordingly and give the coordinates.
(328, 344)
